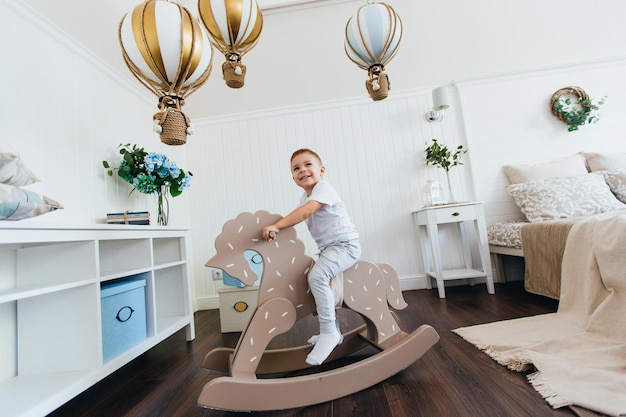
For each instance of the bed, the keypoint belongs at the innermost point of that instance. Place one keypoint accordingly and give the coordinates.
(553, 196)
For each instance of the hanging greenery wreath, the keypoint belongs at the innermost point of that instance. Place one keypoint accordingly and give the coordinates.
(573, 106)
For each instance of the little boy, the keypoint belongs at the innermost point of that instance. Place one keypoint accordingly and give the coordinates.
(337, 240)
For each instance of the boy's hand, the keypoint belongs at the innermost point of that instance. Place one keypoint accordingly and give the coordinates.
(270, 232)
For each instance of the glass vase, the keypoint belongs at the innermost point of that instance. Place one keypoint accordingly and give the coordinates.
(451, 198)
(163, 206)
(433, 193)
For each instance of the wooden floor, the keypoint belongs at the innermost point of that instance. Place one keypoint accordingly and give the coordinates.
(451, 379)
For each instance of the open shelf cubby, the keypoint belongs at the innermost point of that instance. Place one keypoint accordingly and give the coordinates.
(51, 280)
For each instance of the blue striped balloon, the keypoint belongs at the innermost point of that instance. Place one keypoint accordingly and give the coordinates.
(373, 35)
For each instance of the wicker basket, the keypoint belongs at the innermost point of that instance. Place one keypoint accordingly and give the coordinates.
(174, 124)
(234, 80)
(378, 87)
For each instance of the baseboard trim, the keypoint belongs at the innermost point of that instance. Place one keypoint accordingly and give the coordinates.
(206, 303)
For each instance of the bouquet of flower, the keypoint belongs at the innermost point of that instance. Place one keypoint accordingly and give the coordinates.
(149, 173)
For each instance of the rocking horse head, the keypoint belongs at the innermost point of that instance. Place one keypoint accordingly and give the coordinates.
(282, 257)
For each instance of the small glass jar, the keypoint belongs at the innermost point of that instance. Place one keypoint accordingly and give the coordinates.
(433, 193)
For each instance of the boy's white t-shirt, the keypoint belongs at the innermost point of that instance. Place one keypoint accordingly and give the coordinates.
(331, 222)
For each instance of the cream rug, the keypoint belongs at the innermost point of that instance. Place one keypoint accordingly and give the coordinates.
(579, 351)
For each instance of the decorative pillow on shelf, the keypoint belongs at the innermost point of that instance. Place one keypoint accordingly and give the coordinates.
(616, 180)
(560, 198)
(604, 161)
(12, 169)
(18, 204)
(570, 166)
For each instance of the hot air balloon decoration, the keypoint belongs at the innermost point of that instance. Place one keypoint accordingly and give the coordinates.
(372, 38)
(234, 26)
(170, 53)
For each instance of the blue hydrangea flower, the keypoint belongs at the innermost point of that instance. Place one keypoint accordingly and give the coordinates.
(185, 183)
(154, 161)
(172, 169)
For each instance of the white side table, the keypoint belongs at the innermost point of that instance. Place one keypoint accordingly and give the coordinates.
(429, 218)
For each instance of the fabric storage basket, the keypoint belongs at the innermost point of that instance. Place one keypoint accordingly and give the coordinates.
(123, 316)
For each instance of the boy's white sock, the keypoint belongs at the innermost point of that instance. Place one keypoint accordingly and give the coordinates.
(313, 339)
(324, 345)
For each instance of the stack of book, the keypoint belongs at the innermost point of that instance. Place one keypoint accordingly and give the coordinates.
(129, 217)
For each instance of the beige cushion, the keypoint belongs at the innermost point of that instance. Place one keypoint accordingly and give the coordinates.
(12, 169)
(605, 161)
(18, 204)
(616, 179)
(561, 198)
(570, 166)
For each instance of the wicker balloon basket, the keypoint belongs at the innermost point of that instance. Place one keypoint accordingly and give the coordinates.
(174, 125)
(234, 74)
(378, 86)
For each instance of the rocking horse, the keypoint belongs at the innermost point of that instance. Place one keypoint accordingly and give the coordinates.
(284, 298)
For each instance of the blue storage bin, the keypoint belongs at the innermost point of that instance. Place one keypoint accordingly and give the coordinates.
(123, 316)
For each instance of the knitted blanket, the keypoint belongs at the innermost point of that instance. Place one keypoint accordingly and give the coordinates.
(579, 352)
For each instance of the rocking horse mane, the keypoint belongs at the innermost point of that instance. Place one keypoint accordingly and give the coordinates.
(283, 257)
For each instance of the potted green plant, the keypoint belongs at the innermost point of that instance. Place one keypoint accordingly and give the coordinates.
(441, 156)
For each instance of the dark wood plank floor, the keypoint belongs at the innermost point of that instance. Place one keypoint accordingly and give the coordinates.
(451, 379)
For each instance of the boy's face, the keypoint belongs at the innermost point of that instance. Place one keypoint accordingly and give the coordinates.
(306, 171)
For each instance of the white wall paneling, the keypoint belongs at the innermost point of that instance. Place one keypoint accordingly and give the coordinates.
(374, 155)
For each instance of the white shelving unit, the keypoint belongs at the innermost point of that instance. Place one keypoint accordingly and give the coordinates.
(50, 312)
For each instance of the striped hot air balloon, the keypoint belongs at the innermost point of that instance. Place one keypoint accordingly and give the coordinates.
(170, 53)
(373, 35)
(234, 26)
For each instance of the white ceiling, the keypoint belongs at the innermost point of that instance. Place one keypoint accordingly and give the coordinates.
(94, 24)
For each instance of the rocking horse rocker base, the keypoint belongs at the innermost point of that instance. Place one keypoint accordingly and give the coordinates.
(246, 394)
(369, 289)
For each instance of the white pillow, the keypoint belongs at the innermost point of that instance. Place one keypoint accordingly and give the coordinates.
(570, 166)
(12, 169)
(560, 198)
(616, 179)
(18, 204)
(605, 162)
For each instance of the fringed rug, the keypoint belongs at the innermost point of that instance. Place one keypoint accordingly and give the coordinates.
(579, 352)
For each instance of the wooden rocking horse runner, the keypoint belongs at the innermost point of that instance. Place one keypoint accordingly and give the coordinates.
(368, 289)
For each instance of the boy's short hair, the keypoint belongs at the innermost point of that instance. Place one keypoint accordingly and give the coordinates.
(305, 150)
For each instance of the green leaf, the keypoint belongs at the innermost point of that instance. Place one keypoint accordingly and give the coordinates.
(439, 155)
(174, 191)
